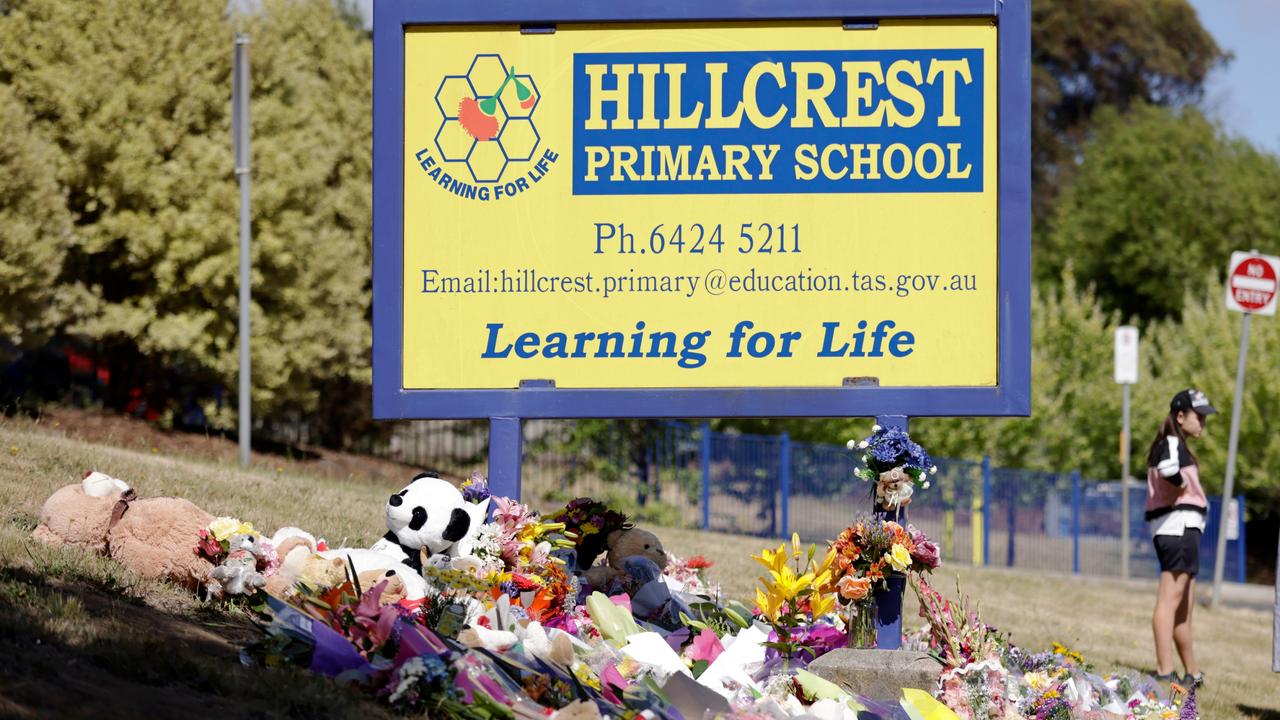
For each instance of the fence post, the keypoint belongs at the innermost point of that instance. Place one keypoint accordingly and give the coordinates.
(1075, 521)
(986, 509)
(1011, 521)
(706, 476)
(784, 482)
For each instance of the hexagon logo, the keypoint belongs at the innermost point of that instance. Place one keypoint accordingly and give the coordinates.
(487, 118)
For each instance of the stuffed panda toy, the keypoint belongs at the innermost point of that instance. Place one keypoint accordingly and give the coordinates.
(430, 514)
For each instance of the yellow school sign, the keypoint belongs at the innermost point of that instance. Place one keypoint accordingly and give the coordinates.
(737, 204)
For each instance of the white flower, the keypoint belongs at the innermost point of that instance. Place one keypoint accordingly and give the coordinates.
(933, 470)
(851, 444)
(925, 485)
(410, 673)
(862, 444)
(875, 428)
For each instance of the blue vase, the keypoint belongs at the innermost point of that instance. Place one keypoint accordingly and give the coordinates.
(888, 605)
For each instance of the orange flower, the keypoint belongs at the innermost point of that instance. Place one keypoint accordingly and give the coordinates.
(852, 588)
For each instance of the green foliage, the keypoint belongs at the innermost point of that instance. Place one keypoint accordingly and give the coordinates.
(1160, 197)
(35, 231)
(1075, 405)
(137, 103)
(1090, 55)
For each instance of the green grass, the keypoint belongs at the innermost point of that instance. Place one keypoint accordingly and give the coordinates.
(83, 637)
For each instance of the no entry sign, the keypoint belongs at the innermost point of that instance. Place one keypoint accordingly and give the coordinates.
(1251, 283)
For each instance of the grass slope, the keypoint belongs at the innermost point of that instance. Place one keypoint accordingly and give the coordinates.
(83, 637)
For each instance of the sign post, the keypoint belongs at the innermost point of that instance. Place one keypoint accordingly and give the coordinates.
(1251, 289)
(1126, 374)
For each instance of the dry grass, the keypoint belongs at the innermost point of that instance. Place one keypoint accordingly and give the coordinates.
(83, 637)
(72, 620)
(1106, 620)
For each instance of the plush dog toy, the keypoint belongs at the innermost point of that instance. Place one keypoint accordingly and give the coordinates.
(631, 553)
(153, 537)
(429, 515)
(238, 574)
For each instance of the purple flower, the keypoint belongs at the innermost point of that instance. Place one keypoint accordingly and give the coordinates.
(1189, 710)
(475, 489)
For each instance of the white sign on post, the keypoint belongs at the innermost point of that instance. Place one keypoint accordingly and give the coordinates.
(1251, 283)
(1126, 355)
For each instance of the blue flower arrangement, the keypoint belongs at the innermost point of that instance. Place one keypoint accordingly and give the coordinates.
(889, 448)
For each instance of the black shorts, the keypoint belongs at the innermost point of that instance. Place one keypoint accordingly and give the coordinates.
(1179, 553)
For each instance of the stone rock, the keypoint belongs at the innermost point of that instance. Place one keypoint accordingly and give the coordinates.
(878, 674)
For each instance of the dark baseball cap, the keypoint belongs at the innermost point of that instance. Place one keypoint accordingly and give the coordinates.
(1192, 399)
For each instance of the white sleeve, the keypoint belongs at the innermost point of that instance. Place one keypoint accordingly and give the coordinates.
(1168, 467)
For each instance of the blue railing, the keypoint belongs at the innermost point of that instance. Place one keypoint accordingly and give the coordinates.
(770, 485)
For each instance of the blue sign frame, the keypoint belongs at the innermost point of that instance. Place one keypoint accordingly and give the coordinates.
(1010, 396)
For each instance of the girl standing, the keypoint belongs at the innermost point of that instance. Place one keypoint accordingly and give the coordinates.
(1176, 508)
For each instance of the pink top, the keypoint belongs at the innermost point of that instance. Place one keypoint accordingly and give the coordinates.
(1165, 495)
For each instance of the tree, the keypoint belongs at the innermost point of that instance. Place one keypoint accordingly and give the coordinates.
(1160, 196)
(1087, 56)
(137, 102)
(35, 230)
(1075, 412)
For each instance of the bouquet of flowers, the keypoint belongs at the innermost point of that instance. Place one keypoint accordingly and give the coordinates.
(863, 554)
(687, 575)
(796, 594)
(215, 541)
(896, 463)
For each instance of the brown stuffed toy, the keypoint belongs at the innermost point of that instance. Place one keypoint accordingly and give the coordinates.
(299, 563)
(395, 590)
(624, 544)
(153, 537)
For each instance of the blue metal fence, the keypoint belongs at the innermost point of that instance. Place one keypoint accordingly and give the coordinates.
(769, 485)
(773, 486)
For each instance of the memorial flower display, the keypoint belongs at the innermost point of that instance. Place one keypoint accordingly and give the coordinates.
(987, 677)
(896, 465)
(863, 555)
(511, 630)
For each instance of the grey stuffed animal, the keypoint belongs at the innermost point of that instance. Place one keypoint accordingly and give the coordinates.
(238, 574)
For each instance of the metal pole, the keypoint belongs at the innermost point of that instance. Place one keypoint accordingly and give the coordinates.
(240, 130)
(784, 483)
(705, 452)
(1219, 558)
(505, 455)
(888, 620)
(1125, 537)
(1076, 502)
(1275, 620)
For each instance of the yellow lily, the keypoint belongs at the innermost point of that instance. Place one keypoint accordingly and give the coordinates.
(770, 604)
(821, 604)
(787, 584)
(774, 560)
